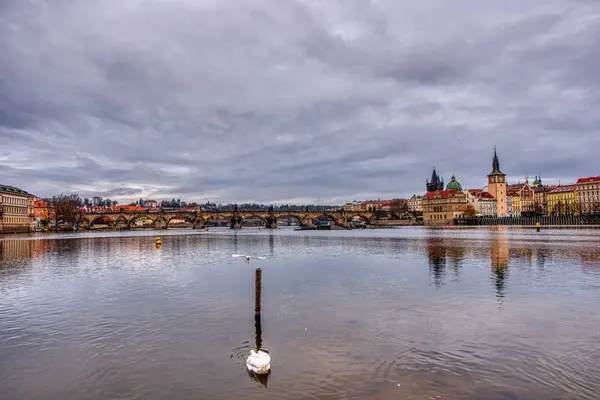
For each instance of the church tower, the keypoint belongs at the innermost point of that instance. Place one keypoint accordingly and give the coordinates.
(497, 186)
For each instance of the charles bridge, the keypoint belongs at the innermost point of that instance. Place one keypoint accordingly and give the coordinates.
(200, 219)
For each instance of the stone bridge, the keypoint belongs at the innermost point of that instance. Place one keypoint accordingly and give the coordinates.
(199, 219)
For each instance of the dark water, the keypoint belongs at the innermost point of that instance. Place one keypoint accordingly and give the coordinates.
(394, 314)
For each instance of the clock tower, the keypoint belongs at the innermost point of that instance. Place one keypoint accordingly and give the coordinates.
(497, 186)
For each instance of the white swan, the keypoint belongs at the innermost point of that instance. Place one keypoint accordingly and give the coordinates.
(248, 258)
(259, 362)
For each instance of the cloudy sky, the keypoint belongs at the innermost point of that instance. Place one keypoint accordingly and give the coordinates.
(294, 100)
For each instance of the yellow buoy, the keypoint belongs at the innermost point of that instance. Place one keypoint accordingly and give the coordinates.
(158, 241)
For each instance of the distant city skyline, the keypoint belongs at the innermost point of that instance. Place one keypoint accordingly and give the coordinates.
(297, 102)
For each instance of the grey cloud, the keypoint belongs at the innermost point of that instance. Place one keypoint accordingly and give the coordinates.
(271, 100)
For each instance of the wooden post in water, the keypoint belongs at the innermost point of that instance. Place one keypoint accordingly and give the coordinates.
(257, 300)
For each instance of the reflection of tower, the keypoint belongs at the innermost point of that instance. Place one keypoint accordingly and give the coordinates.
(540, 257)
(436, 253)
(271, 245)
(497, 186)
(499, 260)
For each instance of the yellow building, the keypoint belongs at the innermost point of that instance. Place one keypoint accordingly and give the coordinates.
(16, 210)
(516, 203)
(497, 186)
(562, 200)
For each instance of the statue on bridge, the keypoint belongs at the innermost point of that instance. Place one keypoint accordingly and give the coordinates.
(235, 209)
(270, 209)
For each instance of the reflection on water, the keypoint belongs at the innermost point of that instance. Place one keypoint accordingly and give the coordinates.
(398, 314)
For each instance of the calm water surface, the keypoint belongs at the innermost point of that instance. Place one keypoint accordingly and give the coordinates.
(388, 314)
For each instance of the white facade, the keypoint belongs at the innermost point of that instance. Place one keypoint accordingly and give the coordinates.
(588, 193)
(488, 207)
(415, 203)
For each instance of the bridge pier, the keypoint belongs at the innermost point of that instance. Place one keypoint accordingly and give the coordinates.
(271, 222)
(236, 222)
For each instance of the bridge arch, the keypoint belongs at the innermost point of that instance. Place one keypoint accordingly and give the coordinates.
(299, 218)
(184, 217)
(247, 217)
(101, 218)
(364, 217)
(121, 220)
(329, 217)
(131, 223)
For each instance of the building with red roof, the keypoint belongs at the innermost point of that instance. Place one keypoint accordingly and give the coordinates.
(588, 195)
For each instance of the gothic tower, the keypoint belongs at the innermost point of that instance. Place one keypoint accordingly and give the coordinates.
(436, 183)
(497, 186)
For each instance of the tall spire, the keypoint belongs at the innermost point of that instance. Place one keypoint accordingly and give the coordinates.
(496, 164)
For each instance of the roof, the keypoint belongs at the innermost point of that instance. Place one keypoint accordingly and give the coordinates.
(40, 203)
(443, 193)
(485, 195)
(589, 179)
(563, 189)
(14, 190)
(544, 189)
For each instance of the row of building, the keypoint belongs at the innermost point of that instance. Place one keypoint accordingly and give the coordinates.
(441, 206)
(22, 212)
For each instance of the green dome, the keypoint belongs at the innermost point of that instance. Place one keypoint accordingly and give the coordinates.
(453, 184)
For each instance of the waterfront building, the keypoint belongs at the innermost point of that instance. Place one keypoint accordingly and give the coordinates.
(527, 199)
(497, 186)
(436, 183)
(562, 200)
(415, 203)
(515, 203)
(354, 206)
(509, 205)
(588, 194)
(443, 206)
(16, 210)
(541, 198)
(487, 205)
(150, 204)
(43, 213)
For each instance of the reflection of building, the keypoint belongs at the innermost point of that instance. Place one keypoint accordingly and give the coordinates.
(16, 249)
(588, 194)
(16, 210)
(562, 200)
(436, 253)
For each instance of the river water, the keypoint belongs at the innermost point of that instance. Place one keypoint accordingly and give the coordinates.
(408, 313)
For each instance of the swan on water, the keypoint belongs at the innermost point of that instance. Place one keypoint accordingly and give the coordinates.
(248, 258)
(259, 362)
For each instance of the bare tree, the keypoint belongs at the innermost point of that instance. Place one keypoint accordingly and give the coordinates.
(67, 207)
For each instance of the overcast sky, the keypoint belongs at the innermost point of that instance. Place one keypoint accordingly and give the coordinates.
(294, 101)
